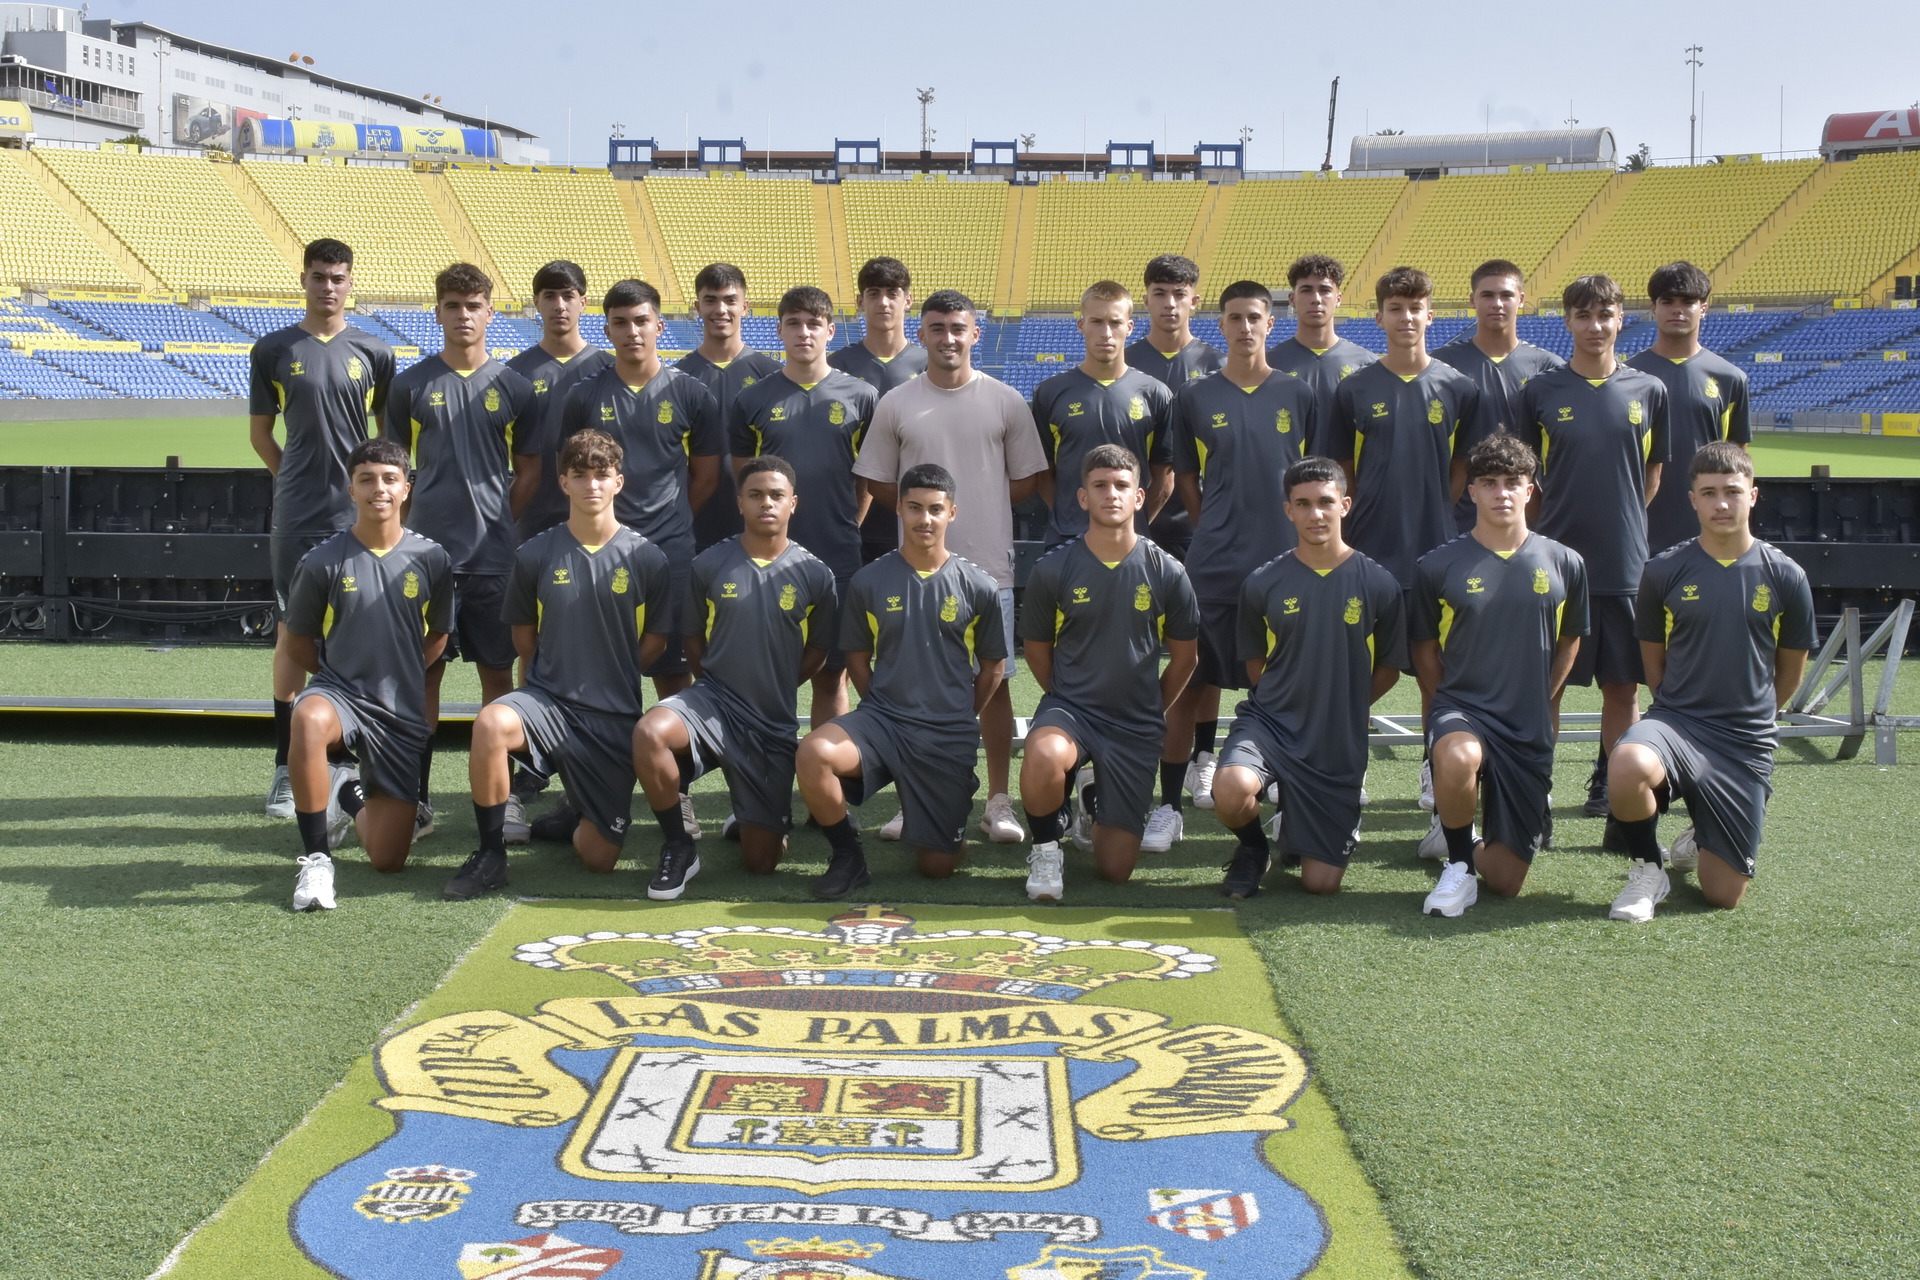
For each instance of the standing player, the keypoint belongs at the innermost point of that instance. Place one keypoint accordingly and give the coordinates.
(1599, 429)
(1725, 625)
(671, 439)
(1706, 395)
(978, 429)
(1494, 356)
(925, 646)
(1402, 429)
(884, 358)
(587, 601)
(459, 415)
(1315, 352)
(1101, 402)
(1494, 620)
(1094, 614)
(1234, 435)
(562, 357)
(813, 416)
(1172, 354)
(762, 609)
(725, 366)
(368, 611)
(1322, 637)
(327, 379)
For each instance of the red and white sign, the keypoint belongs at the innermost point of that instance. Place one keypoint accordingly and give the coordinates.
(1872, 128)
(1202, 1215)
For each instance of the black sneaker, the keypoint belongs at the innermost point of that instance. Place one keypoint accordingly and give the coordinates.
(1597, 793)
(679, 863)
(480, 873)
(845, 873)
(1546, 827)
(1244, 873)
(1611, 839)
(556, 824)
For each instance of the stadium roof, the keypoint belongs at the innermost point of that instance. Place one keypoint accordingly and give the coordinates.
(279, 67)
(1482, 150)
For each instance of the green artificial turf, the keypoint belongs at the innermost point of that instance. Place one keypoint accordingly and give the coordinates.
(222, 442)
(1535, 1090)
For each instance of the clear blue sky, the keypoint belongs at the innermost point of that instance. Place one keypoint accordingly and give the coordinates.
(796, 76)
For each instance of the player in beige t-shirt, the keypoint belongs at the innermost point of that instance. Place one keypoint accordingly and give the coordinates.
(981, 431)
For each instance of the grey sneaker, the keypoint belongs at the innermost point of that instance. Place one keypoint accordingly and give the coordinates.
(1647, 887)
(280, 794)
(423, 821)
(1046, 866)
(518, 829)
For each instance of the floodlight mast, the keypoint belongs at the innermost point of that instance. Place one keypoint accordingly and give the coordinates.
(1333, 101)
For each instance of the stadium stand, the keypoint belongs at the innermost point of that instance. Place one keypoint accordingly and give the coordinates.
(765, 227)
(1452, 233)
(1849, 333)
(1270, 223)
(42, 246)
(1086, 231)
(228, 373)
(527, 219)
(179, 216)
(258, 321)
(152, 325)
(26, 377)
(1692, 213)
(399, 243)
(948, 233)
(1867, 220)
(132, 374)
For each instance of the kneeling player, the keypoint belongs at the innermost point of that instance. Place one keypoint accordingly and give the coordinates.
(926, 648)
(1496, 618)
(588, 602)
(1322, 638)
(764, 609)
(354, 620)
(1095, 611)
(1725, 622)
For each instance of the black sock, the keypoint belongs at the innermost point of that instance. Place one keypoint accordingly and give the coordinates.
(1253, 835)
(1049, 827)
(842, 838)
(1459, 843)
(1642, 838)
(313, 830)
(426, 776)
(282, 732)
(492, 819)
(1600, 766)
(1173, 776)
(352, 797)
(1205, 734)
(672, 827)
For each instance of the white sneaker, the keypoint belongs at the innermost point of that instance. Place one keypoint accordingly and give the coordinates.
(998, 823)
(687, 819)
(1200, 779)
(1685, 854)
(1046, 865)
(1434, 843)
(1166, 827)
(339, 821)
(517, 829)
(1082, 828)
(280, 794)
(1426, 785)
(424, 820)
(1458, 889)
(314, 886)
(894, 826)
(730, 827)
(1647, 888)
(1273, 828)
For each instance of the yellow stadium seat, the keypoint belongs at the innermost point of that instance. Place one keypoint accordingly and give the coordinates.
(948, 233)
(765, 227)
(398, 241)
(40, 245)
(1272, 222)
(1470, 218)
(527, 220)
(1088, 231)
(1859, 227)
(179, 216)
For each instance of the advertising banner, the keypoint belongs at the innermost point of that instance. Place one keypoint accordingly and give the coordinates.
(200, 123)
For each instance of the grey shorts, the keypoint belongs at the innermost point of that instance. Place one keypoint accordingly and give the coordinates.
(284, 552)
(388, 755)
(1513, 789)
(1609, 652)
(933, 774)
(758, 765)
(673, 659)
(480, 634)
(1127, 765)
(1322, 818)
(1012, 663)
(1220, 663)
(1726, 793)
(593, 754)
